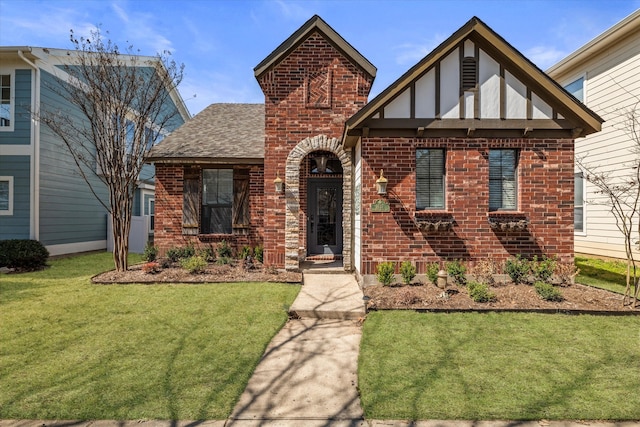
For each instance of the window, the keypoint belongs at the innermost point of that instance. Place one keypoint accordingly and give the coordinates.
(578, 203)
(502, 180)
(5, 100)
(429, 178)
(576, 88)
(217, 201)
(6, 195)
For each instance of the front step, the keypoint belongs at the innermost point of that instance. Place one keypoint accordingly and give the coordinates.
(329, 296)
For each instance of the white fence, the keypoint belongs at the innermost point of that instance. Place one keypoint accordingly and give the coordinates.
(138, 236)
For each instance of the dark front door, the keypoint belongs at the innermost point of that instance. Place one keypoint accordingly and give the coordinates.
(324, 225)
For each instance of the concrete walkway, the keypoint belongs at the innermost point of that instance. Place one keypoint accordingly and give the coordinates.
(308, 374)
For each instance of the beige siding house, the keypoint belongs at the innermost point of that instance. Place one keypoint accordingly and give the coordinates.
(605, 75)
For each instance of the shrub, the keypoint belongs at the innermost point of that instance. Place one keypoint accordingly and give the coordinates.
(151, 267)
(224, 260)
(258, 253)
(457, 271)
(194, 264)
(208, 253)
(548, 292)
(543, 269)
(432, 272)
(23, 254)
(385, 272)
(517, 268)
(479, 292)
(566, 272)
(179, 253)
(484, 270)
(150, 252)
(408, 272)
(245, 252)
(224, 250)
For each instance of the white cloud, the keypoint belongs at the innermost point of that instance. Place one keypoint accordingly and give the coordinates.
(411, 53)
(140, 29)
(210, 88)
(544, 56)
(293, 11)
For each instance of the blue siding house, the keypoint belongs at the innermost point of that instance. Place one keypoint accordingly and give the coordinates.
(42, 195)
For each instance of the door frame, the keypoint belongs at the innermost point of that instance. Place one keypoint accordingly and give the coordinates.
(312, 246)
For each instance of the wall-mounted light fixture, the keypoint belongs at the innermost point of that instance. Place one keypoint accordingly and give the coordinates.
(321, 163)
(381, 184)
(279, 183)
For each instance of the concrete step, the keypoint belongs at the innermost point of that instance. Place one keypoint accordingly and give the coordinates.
(329, 296)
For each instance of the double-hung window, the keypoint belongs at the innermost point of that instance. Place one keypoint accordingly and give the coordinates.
(578, 203)
(217, 201)
(430, 178)
(5, 101)
(6, 195)
(502, 180)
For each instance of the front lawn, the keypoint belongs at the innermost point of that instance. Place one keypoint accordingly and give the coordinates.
(610, 274)
(70, 349)
(494, 366)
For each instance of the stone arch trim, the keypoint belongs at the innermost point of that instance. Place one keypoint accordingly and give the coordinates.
(292, 196)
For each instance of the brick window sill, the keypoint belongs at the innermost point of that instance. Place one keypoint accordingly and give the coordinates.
(508, 221)
(432, 221)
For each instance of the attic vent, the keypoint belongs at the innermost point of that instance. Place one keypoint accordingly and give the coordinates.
(469, 73)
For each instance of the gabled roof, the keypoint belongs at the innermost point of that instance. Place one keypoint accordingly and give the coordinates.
(585, 120)
(314, 24)
(221, 133)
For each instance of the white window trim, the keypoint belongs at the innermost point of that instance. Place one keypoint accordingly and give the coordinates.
(9, 211)
(582, 233)
(12, 99)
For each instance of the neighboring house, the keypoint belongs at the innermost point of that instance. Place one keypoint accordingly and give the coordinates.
(475, 143)
(42, 195)
(605, 75)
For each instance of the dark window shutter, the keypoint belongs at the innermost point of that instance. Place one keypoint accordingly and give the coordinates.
(502, 180)
(429, 178)
(190, 204)
(241, 198)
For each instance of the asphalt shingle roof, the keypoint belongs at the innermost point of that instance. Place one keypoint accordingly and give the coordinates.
(220, 133)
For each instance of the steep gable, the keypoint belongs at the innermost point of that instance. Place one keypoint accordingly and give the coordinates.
(473, 84)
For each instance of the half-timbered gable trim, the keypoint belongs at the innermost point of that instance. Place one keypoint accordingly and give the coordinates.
(473, 84)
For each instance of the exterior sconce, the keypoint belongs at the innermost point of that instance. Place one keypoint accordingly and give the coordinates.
(381, 184)
(279, 183)
(321, 163)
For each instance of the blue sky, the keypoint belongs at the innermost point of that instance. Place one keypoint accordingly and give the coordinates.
(221, 41)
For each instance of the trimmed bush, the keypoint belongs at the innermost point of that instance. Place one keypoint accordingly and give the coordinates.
(184, 252)
(150, 252)
(548, 292)
(23, 254)
(457, 271)
(543, 269)
(518, 269)
(385, 273)
(245, 252)
(208, 253)
(408, 272)
(195, 264)
(479, 292)
(432, 272)
(258, 253)
(224, 250)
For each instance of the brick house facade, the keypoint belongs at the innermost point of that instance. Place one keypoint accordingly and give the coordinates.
(475, 142)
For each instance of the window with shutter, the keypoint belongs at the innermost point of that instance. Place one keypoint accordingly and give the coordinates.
(502, 180)
(429, 178)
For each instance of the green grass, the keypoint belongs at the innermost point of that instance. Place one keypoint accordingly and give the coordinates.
(499, 366)
(73, 350)
(610, 275)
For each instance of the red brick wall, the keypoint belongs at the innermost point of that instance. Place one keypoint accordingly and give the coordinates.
(290, 118)
(168, 210)
(545, 198)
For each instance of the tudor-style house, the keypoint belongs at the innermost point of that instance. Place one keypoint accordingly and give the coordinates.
(468, 155)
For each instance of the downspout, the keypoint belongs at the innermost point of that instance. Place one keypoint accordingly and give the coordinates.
(34, 222)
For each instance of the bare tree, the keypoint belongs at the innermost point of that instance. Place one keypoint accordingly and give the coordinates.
(621, 191)
(123, 105)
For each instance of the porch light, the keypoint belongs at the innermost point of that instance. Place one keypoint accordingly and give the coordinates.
(279, 183)
(321, 163)
(381, 184)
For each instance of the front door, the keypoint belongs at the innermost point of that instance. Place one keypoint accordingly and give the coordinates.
(324, 218)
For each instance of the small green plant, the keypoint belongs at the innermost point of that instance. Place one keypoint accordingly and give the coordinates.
(457, 271)
(178, 253)
(548, 292)
(224, 260)
(195, 264)
(432, 272)
(543, 269)
(208, 253)
(479, 292)
(245, 252)
(150, 252)
(517, 268)
(408, 272)
(385, 273)
(258, 253)
(224, 250)
(23, 254)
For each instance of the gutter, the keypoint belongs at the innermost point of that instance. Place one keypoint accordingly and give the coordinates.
(34, 223)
